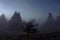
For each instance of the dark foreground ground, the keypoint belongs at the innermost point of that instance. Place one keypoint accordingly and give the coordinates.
(33, 36)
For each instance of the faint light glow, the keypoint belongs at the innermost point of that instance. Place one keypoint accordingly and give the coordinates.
(1, 9)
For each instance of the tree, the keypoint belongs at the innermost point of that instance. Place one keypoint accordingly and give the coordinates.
(30, 26)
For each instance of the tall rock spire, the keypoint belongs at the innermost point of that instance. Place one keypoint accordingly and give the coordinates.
(3, 23)
(20, 19)
(19, 16)
(14, 16)
(58, 18)
(3, 18)
(50, 18)
(48, 26)
(50, 15)
(58, 21)
(15, 23)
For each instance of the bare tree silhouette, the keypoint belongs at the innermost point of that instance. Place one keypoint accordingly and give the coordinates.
(30, 27)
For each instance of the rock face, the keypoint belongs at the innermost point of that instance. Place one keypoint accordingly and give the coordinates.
(57, 24)
(51, 25)
(58, 21)
(48, 26)
(50, 18)
(3, 24)
(15, 24)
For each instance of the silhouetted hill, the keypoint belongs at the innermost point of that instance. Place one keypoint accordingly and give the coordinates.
(48, 26)
(3, 23)
(15, 24)
(17, 29)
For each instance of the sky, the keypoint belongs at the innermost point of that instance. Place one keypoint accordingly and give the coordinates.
(30, 9)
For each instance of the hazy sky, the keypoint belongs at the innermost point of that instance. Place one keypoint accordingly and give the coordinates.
(30, 8)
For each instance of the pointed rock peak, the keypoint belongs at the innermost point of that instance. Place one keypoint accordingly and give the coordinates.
(18, 13)
(50, 14)
(15, 13)
(58, 17)
(19, 16)
(3, 15)
(3, 18)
